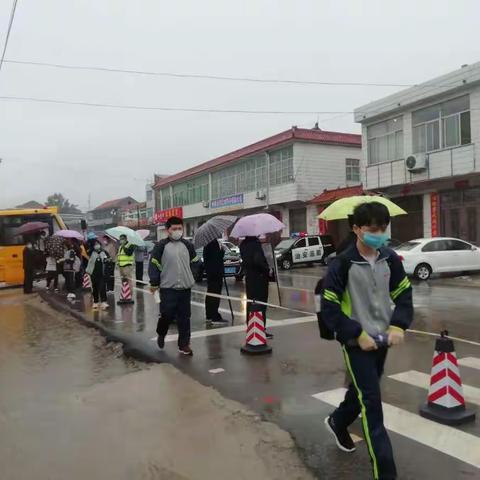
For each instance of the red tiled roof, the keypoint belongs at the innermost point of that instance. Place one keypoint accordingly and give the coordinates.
(119, 202)
(329, 196)
(300, 134)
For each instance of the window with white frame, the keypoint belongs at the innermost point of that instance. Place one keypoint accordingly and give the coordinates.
(352, 170)
(247, 176)
(166, 199)
(385, 141)
(281, 166)
(443, 125)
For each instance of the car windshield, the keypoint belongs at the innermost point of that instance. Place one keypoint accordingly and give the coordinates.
(284, 244)
(407, 246)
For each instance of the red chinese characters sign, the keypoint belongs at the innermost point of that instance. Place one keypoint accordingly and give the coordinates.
(434, 214)
(162, 216)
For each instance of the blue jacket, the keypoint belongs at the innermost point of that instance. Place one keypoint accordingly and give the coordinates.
(358, 297)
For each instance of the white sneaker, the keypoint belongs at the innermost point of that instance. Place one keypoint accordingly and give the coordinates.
(95, 306)
(71, 296)
(104, 305)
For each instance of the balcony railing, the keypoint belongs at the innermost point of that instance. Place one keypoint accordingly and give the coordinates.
(442, 163)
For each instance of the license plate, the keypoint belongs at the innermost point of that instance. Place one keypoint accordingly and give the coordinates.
(230, 269)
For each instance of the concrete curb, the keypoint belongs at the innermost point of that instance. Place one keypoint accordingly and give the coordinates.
(137, 349)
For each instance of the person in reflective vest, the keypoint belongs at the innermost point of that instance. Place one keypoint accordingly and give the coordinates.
(126, 259)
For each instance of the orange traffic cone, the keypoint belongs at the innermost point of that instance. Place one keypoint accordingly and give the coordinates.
(125, 294)
(87, 283)
(256, 339)
(445, 403)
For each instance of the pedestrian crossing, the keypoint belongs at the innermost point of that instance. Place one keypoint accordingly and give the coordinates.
(451, 441)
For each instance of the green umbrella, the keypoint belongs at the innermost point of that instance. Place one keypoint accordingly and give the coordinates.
(344, 207)
(132, 236)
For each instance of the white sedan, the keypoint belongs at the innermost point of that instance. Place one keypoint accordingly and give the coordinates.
(425, 256)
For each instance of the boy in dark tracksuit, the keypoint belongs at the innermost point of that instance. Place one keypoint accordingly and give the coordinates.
(356, 306)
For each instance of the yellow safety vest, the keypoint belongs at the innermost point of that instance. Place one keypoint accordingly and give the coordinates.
(122, 258)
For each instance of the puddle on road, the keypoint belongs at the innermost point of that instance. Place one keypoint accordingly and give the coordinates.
(44, 354)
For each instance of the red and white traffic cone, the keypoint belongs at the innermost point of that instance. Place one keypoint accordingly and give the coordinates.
(125, 294)
(87, 283)
(256, 339)
(445, 403)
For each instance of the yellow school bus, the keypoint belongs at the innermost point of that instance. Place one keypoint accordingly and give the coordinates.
(11, 245)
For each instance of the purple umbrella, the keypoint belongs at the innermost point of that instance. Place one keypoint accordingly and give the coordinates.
(256, 225)
(31, 227)
(69, 234)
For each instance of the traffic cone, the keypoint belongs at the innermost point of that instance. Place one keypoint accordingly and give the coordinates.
(87, 283)
(256, 339)
(125, 294)
(445, 403)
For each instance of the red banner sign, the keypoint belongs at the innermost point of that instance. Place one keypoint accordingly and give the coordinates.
(162, 216)
(434, 214)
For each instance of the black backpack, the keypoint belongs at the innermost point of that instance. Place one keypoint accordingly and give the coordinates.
(325, 332)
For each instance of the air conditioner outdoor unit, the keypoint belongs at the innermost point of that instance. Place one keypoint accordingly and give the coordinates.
(417, 162)
(206, 204)
(260, 195)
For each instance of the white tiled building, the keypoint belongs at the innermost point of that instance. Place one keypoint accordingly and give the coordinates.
(421, 146)
(298, 163)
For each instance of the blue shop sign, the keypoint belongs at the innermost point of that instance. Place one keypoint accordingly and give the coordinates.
(227, 201)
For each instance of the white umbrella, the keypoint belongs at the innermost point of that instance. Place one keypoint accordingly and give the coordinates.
(132, 236)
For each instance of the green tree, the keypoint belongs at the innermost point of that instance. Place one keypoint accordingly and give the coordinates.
(63, 204)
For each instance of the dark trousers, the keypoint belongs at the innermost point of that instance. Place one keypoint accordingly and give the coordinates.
(175, 305)
(28, 275)
(363, 396)
(256, 287)
(52, 276)
(69, 280)
(110, 276)
(78, 280)
(99, 289)
(139, 272)
(214, 285)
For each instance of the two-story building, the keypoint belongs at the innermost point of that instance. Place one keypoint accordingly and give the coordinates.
(109, 214)
(278, 174)
(421, 147)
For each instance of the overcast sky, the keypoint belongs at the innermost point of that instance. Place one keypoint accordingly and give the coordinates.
(109, 153)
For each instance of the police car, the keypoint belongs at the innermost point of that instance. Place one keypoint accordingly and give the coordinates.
(303, 249)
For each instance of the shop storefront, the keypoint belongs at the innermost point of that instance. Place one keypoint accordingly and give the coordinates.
(460, 214)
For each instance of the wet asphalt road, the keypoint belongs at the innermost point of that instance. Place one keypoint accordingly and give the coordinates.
(280, 386)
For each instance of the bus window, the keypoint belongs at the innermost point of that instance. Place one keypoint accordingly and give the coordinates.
(9, 224)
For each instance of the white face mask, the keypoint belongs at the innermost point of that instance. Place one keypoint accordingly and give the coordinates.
(176, 234)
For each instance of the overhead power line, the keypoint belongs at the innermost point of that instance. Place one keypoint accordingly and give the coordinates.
(169, 109)
(217, 77)
(9, 29)
(337, 113)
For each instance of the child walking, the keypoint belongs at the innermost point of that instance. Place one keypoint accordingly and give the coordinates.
(97, 271)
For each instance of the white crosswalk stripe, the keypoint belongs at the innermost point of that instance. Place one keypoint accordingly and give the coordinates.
(451, 441)
(422, 380)
(470, 362)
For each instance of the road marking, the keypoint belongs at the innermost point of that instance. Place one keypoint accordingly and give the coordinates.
(317, 277)
(422, 380)
(216, 370)
(448, 440)
(239, 328)
(221, 309)
(309, 290)
(470, 362)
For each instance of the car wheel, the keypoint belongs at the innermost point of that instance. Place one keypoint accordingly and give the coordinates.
(286, 264)
(423, 271)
